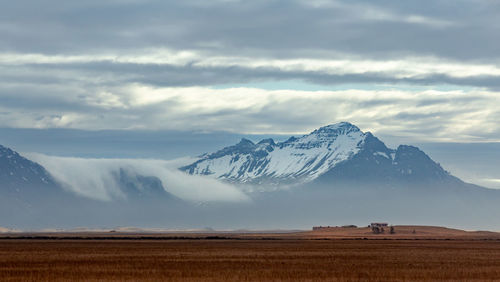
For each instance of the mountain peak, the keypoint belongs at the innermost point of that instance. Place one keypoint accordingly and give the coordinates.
(333, 133)
(419, 164)
(337, 128)
(268, 141)
(5, 152)
(245, 142)
(245, 146)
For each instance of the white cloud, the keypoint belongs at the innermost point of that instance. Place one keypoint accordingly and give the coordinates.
(409, 67)
(106, 100)
(492, 183)
(95, 178)
(404, 68)
(460, 113)
(429, 115)
(146, 56)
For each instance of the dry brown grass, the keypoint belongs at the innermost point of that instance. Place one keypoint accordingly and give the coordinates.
(248, 260)
(401, 232)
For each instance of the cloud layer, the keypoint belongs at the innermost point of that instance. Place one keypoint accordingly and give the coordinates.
(428, 115)
(454, 29)
(428, 70)
(95, 178)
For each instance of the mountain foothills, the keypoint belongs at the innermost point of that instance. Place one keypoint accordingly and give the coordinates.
(336, 173)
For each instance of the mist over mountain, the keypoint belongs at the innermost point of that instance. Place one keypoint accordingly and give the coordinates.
(336, 174)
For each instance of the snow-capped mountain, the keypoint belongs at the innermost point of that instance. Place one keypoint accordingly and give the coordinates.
(331, 152)
(296, 159)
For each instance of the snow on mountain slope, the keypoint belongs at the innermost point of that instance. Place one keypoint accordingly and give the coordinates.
(297, 159)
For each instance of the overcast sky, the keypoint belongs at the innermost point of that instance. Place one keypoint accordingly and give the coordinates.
(422, 70)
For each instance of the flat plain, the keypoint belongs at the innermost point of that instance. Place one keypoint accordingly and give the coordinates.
(258, 259)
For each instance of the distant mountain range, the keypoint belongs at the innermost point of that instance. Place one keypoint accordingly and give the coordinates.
(335, 172)
(329, 154)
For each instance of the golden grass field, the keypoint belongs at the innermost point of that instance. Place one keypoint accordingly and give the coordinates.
(249, 260)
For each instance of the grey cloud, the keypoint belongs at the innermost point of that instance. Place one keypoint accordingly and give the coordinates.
(95, 94)
(411, 117)
(258, 29)
(115, 74)
(276, 28)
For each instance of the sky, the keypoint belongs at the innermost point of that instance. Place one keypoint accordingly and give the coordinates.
(417, 72)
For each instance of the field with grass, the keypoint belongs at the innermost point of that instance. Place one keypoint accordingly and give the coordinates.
(248, 260)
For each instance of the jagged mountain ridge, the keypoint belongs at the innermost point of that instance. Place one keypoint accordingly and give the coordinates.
(376, 163)
(333, 152)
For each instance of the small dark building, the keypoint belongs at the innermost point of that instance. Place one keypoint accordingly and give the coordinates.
(378, 227)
